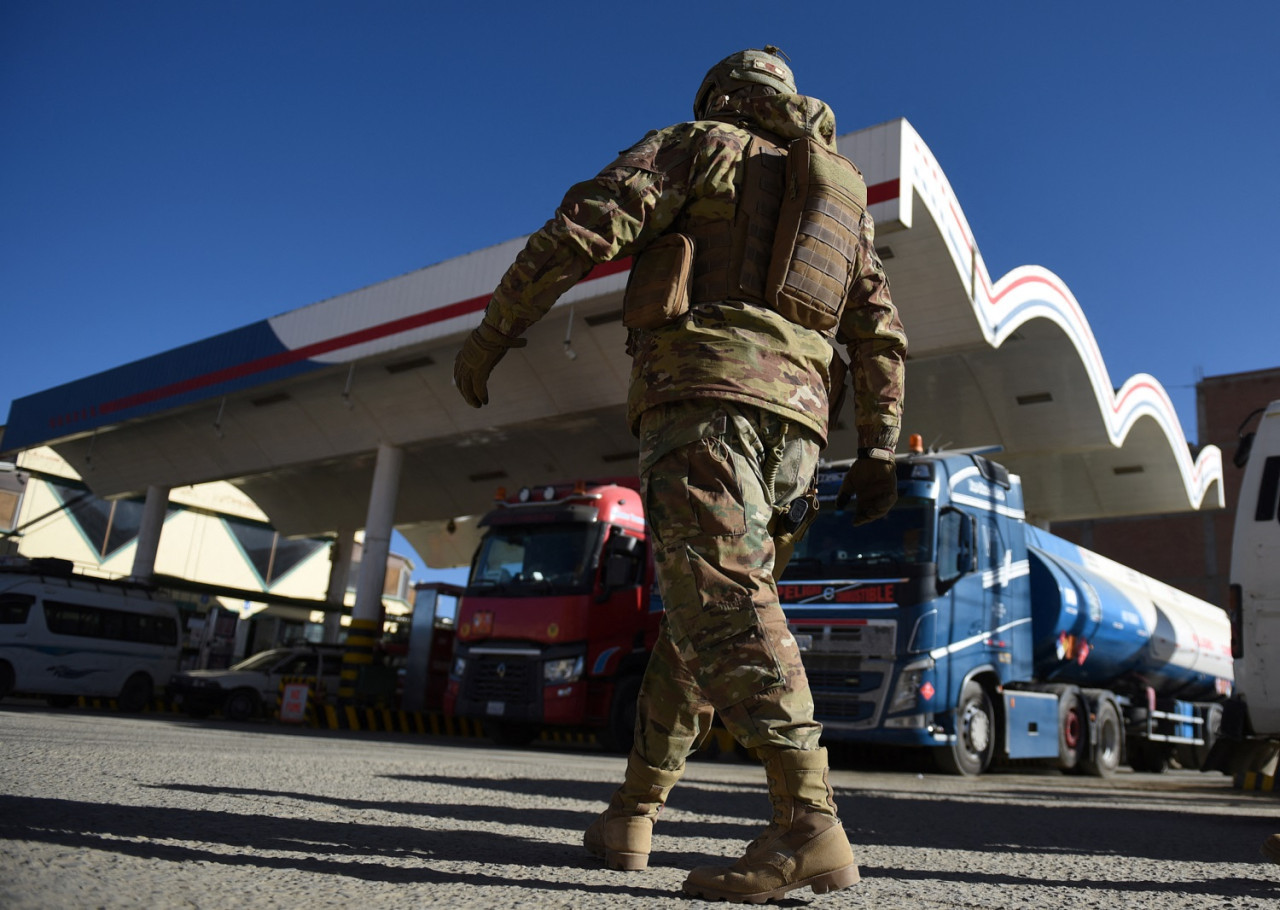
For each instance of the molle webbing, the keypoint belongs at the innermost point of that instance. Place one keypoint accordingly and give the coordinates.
(731, 259)
(815, 257)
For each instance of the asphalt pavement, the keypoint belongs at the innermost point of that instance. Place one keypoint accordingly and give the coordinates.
(101, 810)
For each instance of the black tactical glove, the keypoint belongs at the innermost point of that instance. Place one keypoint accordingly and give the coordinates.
(480, 353)
(872, 481)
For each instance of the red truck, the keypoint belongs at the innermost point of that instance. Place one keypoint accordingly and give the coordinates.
(559, 615)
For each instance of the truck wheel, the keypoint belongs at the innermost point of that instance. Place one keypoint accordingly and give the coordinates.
(975, 741)
(6, 678)
(621, 730)
(1101, 757)
(241, 705)
(136, 693)
(1072, 730)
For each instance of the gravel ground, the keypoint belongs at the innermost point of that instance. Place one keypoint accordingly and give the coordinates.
(102, 810)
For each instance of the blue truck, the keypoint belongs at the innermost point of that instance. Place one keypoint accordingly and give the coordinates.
(956, 625)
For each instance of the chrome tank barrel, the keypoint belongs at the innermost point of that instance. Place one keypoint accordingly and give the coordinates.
(1095, 621)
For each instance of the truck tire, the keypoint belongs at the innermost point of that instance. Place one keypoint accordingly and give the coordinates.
(1073, 728)
(6, 678)
(620, 732)
(1101, 757)
(241, 705)
(975, 741)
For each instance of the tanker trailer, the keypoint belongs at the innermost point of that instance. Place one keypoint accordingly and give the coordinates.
(1164, 654)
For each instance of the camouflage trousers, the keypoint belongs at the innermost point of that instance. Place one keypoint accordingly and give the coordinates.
(714, 475)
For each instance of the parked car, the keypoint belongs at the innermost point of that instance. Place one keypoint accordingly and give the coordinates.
(251, 687)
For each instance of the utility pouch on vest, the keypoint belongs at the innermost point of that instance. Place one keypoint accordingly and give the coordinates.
(658, 288)
(815, 249)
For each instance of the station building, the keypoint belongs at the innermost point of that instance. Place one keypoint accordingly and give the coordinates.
(242, 587)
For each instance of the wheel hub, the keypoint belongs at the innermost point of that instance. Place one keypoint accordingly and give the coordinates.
(978, 730)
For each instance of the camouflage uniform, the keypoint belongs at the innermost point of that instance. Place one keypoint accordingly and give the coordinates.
(731, 404)
(715, 475)
(717, 391)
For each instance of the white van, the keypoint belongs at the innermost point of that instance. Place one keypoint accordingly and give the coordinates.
(64, 635)
(1255, 579)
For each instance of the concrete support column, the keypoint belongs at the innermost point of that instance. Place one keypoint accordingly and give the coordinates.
(339, 569)
(366, 617)
(153, 512)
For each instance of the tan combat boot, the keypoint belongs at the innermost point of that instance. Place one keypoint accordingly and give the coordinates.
(622, 834)
(804, 845)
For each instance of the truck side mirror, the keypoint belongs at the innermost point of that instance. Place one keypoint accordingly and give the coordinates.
(620, 561)
(1243, 447)
(965, 558)
(621, 544)
(955, 545)
(619, 569)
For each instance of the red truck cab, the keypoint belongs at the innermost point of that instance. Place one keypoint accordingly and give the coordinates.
(558, 619)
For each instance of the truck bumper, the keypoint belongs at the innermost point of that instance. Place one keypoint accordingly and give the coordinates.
(924, 733)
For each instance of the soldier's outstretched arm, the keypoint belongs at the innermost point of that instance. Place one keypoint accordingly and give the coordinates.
(877, 346)
(613, 215)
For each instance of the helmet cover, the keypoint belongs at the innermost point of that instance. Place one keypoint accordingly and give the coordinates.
(749, 67)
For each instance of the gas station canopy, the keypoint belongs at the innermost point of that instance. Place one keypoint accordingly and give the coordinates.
(292, 409)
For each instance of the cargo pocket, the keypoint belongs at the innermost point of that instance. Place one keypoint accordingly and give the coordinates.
(714, 490)
(735, 658)
(693, 491)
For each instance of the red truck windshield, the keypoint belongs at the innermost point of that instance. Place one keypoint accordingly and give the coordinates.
(536, 559)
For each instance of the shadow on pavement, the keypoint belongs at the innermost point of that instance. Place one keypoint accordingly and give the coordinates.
(349, 849)
(410, 853)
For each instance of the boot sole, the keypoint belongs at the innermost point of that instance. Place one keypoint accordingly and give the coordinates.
(835, 880)
(626, 862)
(622, 862)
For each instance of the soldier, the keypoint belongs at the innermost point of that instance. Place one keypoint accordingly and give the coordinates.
(737, 292)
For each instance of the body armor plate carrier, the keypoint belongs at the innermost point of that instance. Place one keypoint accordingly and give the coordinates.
(815, 251)
(792, 246)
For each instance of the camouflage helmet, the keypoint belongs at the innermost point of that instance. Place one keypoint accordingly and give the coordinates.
(750, 67)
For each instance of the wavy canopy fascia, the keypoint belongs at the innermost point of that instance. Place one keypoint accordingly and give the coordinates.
(1021, 350)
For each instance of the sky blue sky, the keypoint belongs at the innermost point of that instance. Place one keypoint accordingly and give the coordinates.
(172, 170)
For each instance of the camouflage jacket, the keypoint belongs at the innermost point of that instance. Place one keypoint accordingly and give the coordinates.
(731, 350)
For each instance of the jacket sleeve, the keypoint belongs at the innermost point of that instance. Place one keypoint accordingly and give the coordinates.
(613, 215)
(877, 345)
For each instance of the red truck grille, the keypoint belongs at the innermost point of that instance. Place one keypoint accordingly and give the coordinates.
(501, 678)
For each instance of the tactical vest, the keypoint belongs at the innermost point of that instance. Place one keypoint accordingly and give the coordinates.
(793, 243)
(731, 258)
